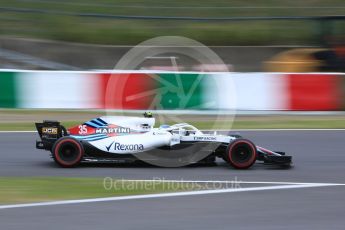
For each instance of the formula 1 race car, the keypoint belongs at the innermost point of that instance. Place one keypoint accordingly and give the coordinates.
(130, 139)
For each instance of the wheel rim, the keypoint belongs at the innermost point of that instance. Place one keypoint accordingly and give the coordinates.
(242, 153)
(68, 152)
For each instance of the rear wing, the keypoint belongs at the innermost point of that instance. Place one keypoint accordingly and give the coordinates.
(49, 132)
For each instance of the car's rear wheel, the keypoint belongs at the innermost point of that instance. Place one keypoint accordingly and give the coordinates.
(67, 152)
(240, 154)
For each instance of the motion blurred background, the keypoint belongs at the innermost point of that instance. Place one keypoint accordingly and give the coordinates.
(258, 37)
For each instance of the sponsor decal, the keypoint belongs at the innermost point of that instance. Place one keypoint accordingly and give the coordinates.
(205, 138)
(108, 147)
(125, 147)
(47, 130)
(159, 133)
(113, 130)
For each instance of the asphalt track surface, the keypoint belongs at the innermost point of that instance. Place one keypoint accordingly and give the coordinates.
(319, 157)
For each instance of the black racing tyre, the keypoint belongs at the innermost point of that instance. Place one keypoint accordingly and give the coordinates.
(240, 154)
(67, 152)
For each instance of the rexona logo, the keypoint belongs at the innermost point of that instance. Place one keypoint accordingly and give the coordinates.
(111, 130)
(123, 147)
(205, 138)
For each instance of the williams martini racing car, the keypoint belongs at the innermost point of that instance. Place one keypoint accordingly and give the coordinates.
(130, 139)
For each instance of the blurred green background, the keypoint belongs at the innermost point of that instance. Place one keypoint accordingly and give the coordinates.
(58, 20)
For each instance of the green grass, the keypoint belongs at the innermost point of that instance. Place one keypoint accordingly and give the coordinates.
(303, 123)
(131, 32)
(240, 123)
(219, 8)
(39, 189)
(24, 119)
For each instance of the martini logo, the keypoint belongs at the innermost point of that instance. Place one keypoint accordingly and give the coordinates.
(113, 130)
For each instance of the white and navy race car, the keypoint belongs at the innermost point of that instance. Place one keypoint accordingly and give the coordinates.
(131, 139)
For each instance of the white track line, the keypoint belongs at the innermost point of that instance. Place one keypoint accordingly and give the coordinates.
(163, 195)
(281, 130)
(18, 131)
(230, 182)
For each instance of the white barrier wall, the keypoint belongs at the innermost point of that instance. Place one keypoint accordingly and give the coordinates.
(162, 90)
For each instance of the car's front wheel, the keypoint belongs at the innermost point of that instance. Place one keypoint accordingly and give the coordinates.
(67, 152)
(240, 154)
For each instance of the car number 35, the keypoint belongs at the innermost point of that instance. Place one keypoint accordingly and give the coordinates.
(82, 129)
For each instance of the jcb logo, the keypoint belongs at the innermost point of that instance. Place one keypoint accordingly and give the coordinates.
(49, 130)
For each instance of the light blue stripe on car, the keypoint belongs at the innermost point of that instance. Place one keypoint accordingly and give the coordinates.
(90, 137)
